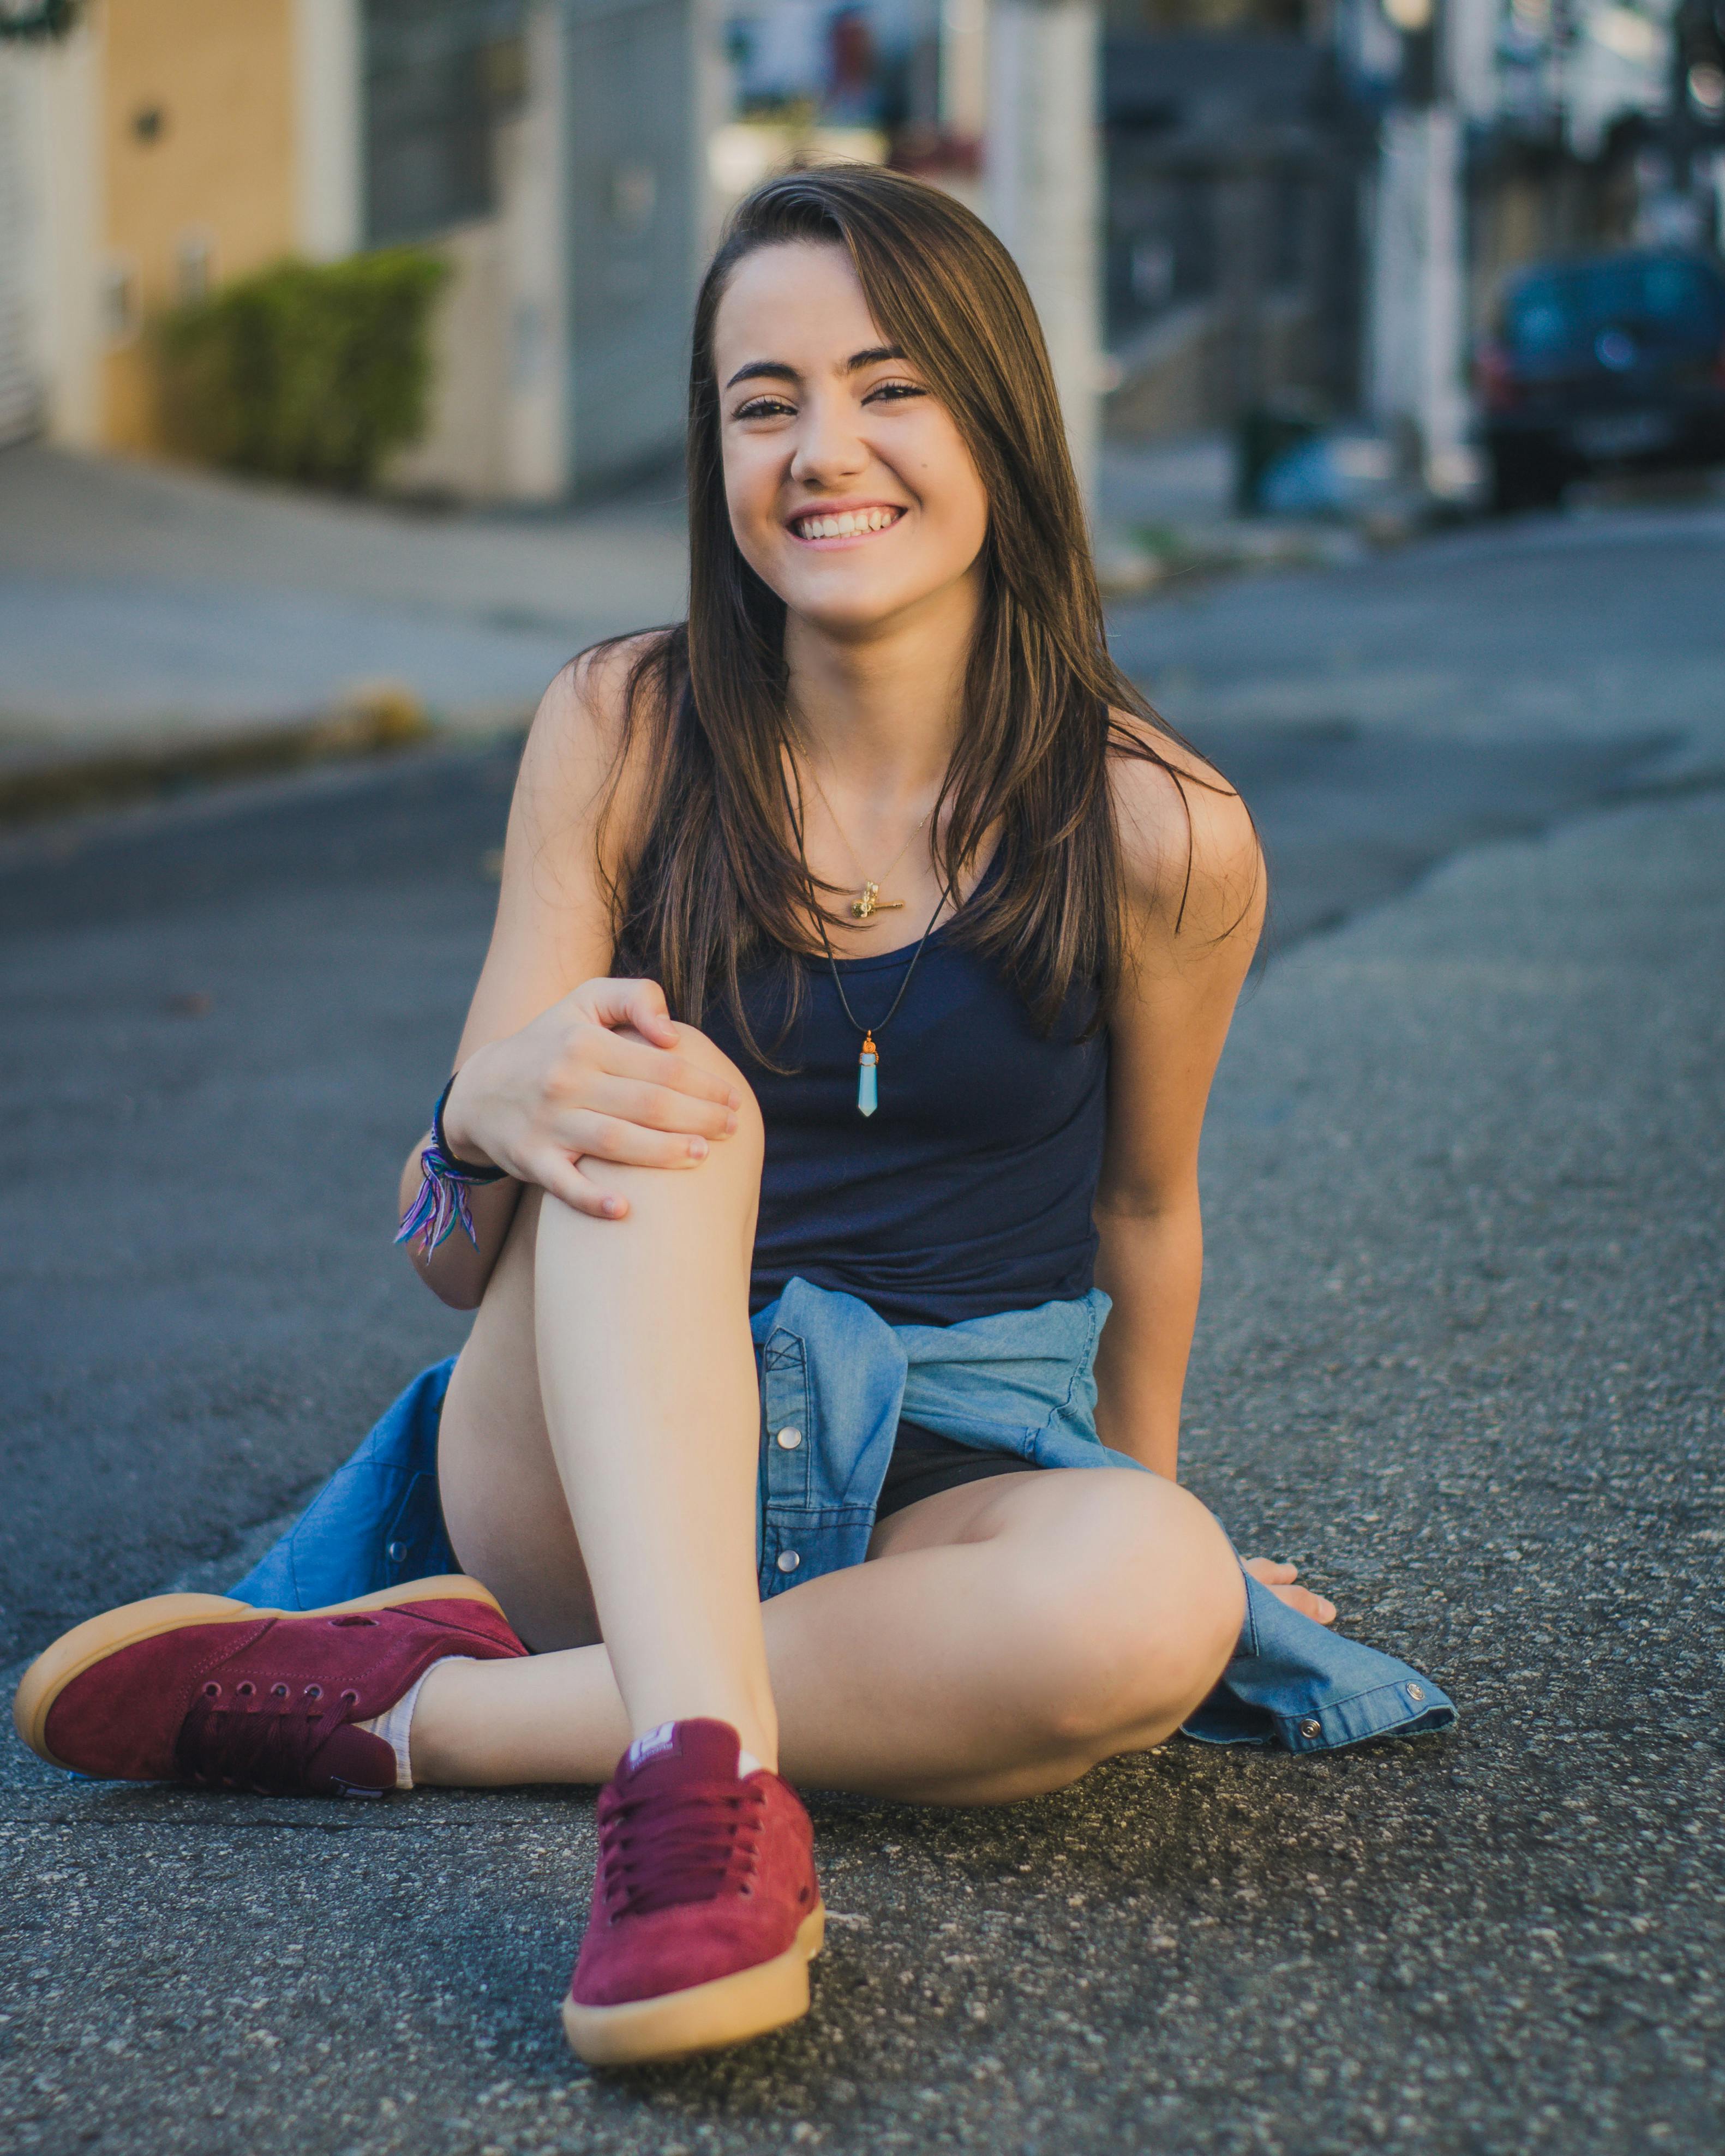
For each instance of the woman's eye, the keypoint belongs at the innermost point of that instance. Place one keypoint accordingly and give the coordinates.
(892, 391)
(762, 407)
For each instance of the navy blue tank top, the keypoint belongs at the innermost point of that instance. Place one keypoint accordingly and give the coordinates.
(969, 1190)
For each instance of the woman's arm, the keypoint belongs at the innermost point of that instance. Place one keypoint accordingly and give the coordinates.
(1176, 1002)
(556, 1060)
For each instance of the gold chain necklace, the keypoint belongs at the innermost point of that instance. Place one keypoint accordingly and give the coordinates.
(865, 908)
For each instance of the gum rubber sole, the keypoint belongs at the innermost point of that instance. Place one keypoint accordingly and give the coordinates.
(98, 1637)
(706, 2017)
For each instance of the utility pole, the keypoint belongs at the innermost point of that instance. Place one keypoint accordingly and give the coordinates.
(1417, 308)
(1043, 194)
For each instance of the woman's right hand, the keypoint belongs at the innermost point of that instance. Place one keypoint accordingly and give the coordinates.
(598, 1073)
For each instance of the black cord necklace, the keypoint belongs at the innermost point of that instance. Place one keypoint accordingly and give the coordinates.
(868, 1061)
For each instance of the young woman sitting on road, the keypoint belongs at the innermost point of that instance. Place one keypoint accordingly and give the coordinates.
(863, 953)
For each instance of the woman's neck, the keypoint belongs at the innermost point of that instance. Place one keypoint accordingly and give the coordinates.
(879, 712)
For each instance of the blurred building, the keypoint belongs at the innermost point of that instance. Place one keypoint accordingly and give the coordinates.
(1234, 181)
(546, 148)
(1508, 131)
(1247, 203)
(1315, 201)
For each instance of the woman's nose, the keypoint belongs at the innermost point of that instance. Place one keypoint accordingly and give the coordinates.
(828, 446)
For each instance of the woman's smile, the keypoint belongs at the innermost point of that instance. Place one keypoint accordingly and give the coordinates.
(829, 524)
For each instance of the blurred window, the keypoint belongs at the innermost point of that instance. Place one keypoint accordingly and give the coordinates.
(439, 74)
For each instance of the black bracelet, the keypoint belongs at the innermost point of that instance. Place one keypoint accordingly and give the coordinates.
(469, 1171)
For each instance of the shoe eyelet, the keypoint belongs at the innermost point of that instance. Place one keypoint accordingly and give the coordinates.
(245, 1691)
(350, 1699)
(213, 1691)
(314, 1691)
(278, 1691)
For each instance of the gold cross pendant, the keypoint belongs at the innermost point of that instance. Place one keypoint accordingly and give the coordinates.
(871, 902)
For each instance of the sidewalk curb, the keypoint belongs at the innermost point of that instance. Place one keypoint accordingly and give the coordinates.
(372, 724)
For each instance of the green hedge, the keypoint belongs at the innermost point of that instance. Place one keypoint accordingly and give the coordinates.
(313, 371)
(46, 18)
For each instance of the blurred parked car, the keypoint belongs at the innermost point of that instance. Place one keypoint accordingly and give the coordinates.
(1601, 365)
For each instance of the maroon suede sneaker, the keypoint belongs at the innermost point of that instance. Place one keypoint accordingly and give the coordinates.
(200, 1689)
(706, 1910)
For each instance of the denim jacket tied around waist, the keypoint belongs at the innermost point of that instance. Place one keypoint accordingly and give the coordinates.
(835, 1379)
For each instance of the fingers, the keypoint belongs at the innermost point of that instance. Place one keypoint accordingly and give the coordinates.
(1280, 1580)
(676, 1071)
(560, 1177)
(638, 1004)
(630, 1143)
(1318, 1607)
(660, 1107)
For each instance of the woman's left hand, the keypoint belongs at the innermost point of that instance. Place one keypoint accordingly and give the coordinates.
(1280, 1580)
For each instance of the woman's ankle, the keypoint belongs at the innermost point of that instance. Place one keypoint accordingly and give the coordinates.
(560, 1721)
(440, 1720)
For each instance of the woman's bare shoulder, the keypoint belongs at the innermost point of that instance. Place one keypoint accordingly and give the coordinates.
(588, 748)
(1189, 846)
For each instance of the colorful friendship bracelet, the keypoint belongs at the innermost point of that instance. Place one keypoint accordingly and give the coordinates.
(445, 1181)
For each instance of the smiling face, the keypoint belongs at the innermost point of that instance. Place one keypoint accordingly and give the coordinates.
(851, 492)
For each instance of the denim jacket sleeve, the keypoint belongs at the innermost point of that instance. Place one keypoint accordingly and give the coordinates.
(1307, 1688)
(375, 1522)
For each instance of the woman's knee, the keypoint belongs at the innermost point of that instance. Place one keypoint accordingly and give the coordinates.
(733, 1161)
(1134, 1617)
(705, 1055)
(716, 1193)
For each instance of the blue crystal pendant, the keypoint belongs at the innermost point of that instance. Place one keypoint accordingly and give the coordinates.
(867, 1097)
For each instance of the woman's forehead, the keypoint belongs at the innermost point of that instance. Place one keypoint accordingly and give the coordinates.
(798, 301)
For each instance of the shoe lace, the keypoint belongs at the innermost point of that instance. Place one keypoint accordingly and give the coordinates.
(677, 1846)
(261, 1741)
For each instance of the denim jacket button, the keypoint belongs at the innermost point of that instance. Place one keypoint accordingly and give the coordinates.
(396, 1552)
(789, 1437)
(1416, 1692)
(789, 1560)
(1311, 1727)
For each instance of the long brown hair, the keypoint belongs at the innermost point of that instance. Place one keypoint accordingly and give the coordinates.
(716, 879)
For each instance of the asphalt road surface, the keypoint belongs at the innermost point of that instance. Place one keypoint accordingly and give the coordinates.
(1460, 1357)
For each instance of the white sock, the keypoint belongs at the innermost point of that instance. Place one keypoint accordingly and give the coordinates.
(395, 1726)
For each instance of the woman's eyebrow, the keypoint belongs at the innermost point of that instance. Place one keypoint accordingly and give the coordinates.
(776, 370)
(780, 370)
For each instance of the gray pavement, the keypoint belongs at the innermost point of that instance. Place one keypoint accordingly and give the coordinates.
(1460, 1355)
(1593, 626)
(141, 602)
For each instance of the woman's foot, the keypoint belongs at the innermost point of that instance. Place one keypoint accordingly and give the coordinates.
(203, 1690)
(705, 1909)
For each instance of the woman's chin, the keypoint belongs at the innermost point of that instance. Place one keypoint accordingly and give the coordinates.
(862, 609)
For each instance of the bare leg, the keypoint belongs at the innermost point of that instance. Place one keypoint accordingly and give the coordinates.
(639, 1331)
(502, 1496)
(1006, 1637)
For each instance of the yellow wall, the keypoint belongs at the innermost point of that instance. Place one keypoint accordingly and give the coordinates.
(220, 168)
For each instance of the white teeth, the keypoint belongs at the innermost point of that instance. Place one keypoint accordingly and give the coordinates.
(847, 525)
